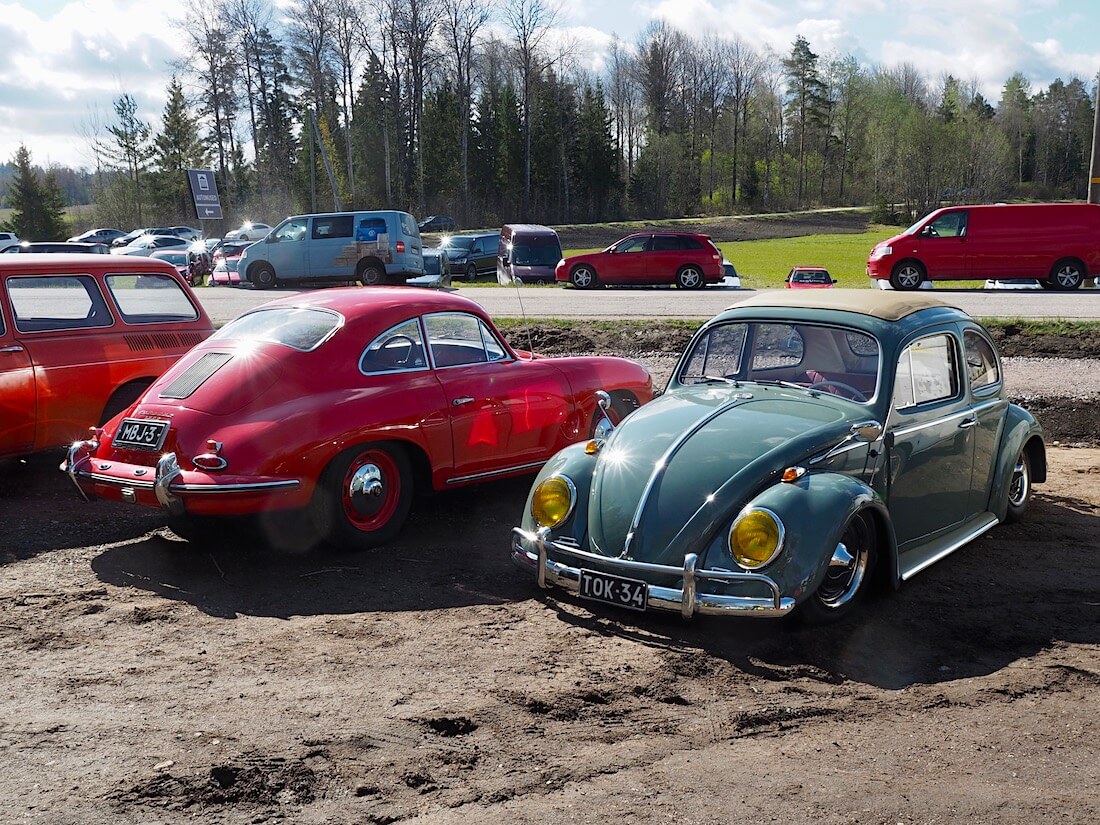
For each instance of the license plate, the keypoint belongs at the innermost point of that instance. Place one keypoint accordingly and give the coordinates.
(140, 434)
(601, 587)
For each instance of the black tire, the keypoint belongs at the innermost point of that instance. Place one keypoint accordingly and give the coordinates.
(690, 277)
(1019, 487)
(122, 398)
(849, 574)
(363, 496)
(1066, 275)
(471, 273)
(369, 273)
(907, 275)
(263, 276)
(584, 276)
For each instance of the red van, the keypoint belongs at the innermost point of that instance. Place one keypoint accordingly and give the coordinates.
(1056, 243)
(81, 337)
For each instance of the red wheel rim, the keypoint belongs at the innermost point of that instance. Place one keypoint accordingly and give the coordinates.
(371, 490)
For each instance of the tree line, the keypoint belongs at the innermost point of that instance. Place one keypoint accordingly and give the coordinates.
(485, 112)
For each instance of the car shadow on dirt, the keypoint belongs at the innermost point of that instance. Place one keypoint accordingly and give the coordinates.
(1019, 589)
(453, 552)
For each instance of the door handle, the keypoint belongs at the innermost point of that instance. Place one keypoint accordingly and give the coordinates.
(12, 348)
(967, 423)
(458, 402)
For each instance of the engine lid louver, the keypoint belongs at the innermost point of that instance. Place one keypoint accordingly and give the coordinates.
(196, 375)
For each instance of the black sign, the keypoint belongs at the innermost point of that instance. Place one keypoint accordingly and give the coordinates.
(204, 190)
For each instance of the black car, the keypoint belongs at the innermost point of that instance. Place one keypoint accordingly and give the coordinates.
(437, 223)
(104, 235)
(472, 255)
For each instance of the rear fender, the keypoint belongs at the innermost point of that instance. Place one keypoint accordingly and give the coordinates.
(1020, 429)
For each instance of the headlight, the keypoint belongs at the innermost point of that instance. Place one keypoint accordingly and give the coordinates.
(755, 538)
(881, 252)
(553, 501)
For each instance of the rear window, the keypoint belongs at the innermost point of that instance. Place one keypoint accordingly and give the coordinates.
(300, 328)
(150, 299)
(408, 225)
(46, 303)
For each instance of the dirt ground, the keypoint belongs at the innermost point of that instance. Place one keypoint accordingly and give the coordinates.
(151, 680)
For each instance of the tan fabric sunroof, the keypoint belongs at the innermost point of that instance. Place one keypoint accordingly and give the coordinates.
(886, 304)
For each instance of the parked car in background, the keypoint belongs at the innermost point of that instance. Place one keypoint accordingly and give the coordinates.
(188, 263)
(59, 246)
(186, 232)
(527, 254)
(8, 238)
(729, 275)
(472, 255)
(130, 237)
(344, 402)
(437, 223)
(809, 277)
(225, 258)
(104, 236)
(372, 248)
(80, 341)
(437, 270)
(145, 244)
(809, 446)
(685, 259)
(1056, 243)
(248, 231)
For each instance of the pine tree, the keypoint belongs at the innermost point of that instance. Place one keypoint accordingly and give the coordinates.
(807, 97)
(176, 148)
(38, 207)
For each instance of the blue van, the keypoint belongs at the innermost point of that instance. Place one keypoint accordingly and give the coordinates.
(369, 247)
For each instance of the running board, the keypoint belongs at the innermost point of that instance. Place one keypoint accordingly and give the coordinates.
(916, 560)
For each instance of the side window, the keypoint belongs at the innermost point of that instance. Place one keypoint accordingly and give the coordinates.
(57, 302)
(457, 338)
(926, 372)
(332, 226)
(666, 243)
(150, 299)
(290, 231)
(371, 229)
(775, 346)
(408, 225)
(634, 245)
(981, 361)
(399, 348)
(951, 225)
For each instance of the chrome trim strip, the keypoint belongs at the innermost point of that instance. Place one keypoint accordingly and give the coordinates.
(662, 465)
(491, 473)
(912, 428)
(121, 482)
(991, 521)
(688, 602)
(243, 487)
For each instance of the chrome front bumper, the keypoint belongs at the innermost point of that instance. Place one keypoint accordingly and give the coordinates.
(687, 600)
(167, 483)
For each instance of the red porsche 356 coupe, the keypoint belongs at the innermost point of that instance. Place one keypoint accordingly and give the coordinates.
(342, 401)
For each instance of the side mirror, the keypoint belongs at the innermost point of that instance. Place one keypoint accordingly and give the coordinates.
(867, 431)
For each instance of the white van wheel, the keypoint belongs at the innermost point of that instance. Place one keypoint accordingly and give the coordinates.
(263, 276)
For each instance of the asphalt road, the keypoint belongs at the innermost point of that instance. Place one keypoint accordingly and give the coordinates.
(223, 303)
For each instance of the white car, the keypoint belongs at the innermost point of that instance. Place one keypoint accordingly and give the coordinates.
(248, 231)
(8, 239)
(145, 244)
(1023, 283)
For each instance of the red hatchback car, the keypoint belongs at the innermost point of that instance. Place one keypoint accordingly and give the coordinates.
(688, 260)
(342, 402)
(809, 277)
(81, 337)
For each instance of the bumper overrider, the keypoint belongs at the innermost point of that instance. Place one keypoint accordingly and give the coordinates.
(530, 550)
(168, 487)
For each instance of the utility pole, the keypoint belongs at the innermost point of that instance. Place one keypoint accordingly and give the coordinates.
(1094, 165)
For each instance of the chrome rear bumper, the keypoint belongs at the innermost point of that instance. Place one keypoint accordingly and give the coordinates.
(529, 551)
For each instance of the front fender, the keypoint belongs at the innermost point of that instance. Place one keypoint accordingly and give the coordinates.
(814, 511)
(1020, 429)
(578, 466)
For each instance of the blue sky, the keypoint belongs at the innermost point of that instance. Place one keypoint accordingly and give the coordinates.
(64, 61)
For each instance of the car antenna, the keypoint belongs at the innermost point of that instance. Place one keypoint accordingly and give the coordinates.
(526, 325)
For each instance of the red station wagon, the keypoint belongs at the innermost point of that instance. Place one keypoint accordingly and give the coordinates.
(81, 337)
(688, 260)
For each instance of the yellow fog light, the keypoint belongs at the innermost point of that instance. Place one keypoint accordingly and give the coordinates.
(553, 501)
(755, 538)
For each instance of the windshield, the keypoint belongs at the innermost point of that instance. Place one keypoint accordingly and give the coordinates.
(300, 328)
(835, 360)
(456, 243)
(537, 251)
(815, 276)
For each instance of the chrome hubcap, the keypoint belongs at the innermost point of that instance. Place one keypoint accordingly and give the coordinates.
(690, 277)
(366, 489)
(843, 576)
(582, 277)
(1021, 483)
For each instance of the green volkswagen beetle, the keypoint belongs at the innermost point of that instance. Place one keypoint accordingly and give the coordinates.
(808, 447)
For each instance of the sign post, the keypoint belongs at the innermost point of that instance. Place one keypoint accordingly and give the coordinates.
(204, 191)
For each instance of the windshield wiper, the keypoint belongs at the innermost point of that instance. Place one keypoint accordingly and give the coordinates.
(711, 379)
(773, 382)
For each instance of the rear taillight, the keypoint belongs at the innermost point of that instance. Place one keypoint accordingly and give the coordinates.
(400, 247)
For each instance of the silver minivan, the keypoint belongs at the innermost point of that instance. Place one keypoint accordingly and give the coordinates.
(373, 248)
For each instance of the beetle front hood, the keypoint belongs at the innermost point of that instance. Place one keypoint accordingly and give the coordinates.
(721, 446)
